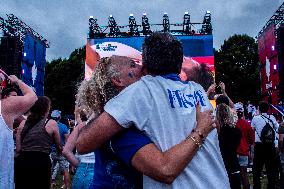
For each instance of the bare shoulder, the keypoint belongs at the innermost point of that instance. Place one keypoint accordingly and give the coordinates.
(52, 123)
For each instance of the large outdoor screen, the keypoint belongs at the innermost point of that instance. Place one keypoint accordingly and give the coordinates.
(33, 63)
(197, 49)
(268, 64)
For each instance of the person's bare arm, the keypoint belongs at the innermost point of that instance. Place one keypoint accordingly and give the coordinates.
(167, 166)
(18, 105)
(56, 135)
(211, 90)
(18, 136)
(66, 136)
(97, 132)
(69, 147)
(77, 115)
(231, 103)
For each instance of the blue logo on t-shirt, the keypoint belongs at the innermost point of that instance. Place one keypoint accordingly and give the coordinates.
(178, 98)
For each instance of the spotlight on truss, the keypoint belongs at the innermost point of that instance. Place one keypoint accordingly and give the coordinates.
(113, 27)
(94, 28)
(145, 25)
(133, 28)
(166, 23)
(186, 23)
(206, 25)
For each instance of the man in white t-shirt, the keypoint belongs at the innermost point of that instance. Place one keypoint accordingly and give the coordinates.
(264, 153)
(164, 107)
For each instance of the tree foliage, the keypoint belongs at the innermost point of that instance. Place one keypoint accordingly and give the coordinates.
(61, 79)
(237, 65)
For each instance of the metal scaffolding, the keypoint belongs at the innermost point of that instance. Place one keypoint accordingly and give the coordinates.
(277, 19)
(133, 29)
(15, 27)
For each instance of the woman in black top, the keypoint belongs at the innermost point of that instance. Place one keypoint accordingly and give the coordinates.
(229, 140)
(34, 139)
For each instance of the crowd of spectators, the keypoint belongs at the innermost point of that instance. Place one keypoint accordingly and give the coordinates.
(140, 126)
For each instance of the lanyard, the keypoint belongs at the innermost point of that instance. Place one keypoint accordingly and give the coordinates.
(174, 77)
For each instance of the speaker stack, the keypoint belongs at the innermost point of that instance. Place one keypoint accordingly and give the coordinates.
(10, 55)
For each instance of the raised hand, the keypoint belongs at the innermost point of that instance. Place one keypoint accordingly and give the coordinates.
(222, 85)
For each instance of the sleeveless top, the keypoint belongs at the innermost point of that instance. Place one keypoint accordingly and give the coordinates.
(37, 138)
(6, 154)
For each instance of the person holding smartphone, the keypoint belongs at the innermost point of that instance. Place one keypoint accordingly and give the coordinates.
(11, 108)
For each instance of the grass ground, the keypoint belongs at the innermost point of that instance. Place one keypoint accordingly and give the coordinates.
(59, 181)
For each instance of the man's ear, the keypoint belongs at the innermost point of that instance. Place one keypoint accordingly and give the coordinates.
(144, 70)
(117, 82)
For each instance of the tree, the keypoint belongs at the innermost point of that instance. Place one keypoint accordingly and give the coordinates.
(61, 79)
(237, 65)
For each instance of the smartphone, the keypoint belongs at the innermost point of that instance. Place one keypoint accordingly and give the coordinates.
(218, 90)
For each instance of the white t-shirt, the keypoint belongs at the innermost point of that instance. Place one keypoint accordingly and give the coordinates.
(258, 122)
(6, 155)
(165, 110)
(86, 158)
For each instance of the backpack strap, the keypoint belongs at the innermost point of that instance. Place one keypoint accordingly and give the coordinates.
(265, 122)
(276, 138)
(267, 118)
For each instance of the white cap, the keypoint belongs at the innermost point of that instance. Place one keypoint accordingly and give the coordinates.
(91, 17)
(131, 14)
(186, 12)
(208, 12)
(55, 114)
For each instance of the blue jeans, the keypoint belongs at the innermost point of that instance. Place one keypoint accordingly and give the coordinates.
(84, 176)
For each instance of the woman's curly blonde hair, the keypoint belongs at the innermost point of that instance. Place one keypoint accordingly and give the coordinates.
(224, 115)
(93, 94)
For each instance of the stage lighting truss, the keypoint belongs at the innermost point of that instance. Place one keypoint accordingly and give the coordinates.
(2, 22)
(166, 23)
(113, 28)
(186, 23)
(132, 29)
(15, 27)
(94, 28)
(207, 26)
(145, 25)
(277, 20)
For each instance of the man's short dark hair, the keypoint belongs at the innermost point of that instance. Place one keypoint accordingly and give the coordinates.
(162, 54)
(240, 114)
(7, 91)
(222, 99)
(263, 107)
